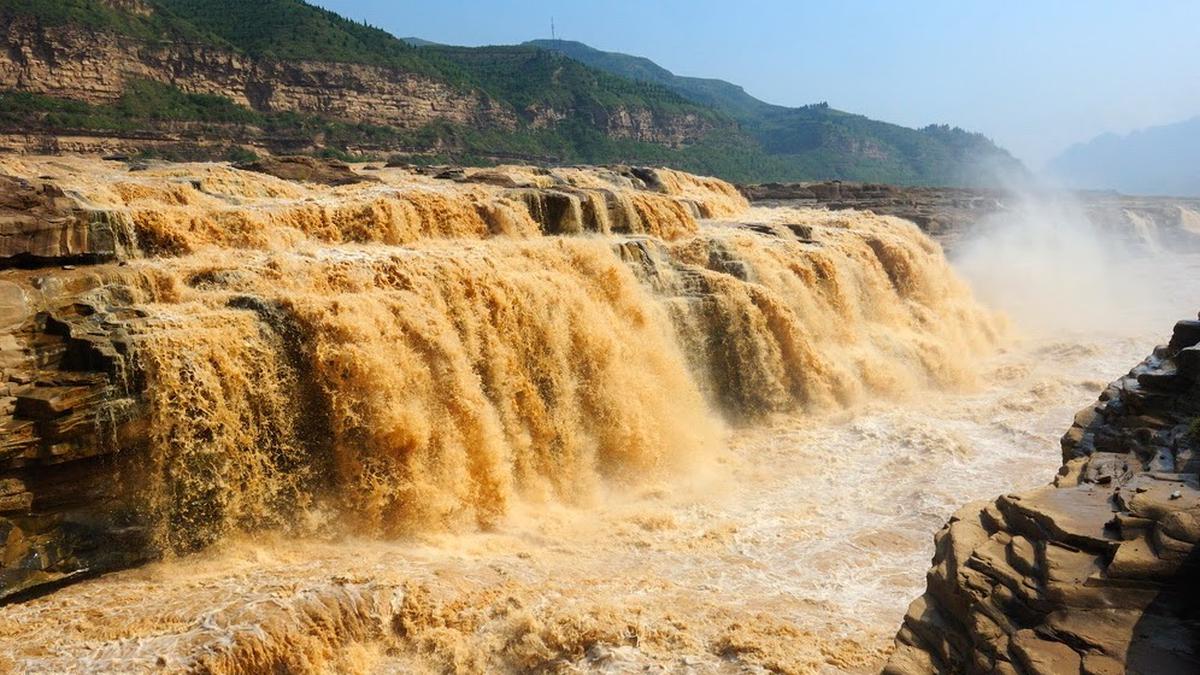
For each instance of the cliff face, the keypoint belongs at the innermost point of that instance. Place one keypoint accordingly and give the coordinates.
(95, 66)
(1095, 574)
(644, 125)
(66, 408)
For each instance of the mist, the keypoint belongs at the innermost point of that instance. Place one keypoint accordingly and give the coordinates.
(1054, 269)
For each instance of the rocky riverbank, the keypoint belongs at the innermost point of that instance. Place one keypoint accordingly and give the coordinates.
(1143, 224)
(1095, 574)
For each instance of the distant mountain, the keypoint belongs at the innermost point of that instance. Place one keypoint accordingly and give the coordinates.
(716, 93)
(226, 78)
(418, 42)
(1163, 160)
(816, 141)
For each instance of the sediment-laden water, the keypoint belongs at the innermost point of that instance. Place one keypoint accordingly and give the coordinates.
(713, 446)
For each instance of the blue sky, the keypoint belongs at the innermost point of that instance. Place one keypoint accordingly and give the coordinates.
(1035, 76)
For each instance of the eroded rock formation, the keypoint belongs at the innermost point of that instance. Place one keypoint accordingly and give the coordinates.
(1095, 574)
(66, 409)
(40, 224)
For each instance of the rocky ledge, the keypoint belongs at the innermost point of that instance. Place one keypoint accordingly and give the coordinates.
(941, 212)
(1095, 574)
(948, 214)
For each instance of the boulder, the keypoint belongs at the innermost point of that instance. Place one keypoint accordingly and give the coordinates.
(1186, 334)
(306, 169)
(40, 225)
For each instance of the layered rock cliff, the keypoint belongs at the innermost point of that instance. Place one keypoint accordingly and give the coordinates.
(1095, 574)
(85, 64)
(942, 212)
(96, 66)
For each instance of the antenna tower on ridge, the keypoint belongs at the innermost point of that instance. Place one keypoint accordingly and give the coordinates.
(553, 34)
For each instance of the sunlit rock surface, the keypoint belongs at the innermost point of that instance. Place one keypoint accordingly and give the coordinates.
(1097, 573)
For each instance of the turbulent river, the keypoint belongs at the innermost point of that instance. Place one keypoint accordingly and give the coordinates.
(797, 549)
(792, 542)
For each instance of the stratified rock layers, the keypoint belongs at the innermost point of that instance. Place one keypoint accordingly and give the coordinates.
(97, 66)
(1095, 574)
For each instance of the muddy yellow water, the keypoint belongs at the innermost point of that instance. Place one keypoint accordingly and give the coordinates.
(796, 548)
(417, 436)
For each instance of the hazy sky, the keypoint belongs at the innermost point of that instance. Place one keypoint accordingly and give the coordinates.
(1034, 76)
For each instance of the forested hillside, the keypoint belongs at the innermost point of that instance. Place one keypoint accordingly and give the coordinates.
(819, 141)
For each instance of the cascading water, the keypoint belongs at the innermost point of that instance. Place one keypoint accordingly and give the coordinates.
(427, 386)
(410, 360)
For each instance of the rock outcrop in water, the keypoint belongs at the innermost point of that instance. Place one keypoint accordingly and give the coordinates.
(230, 351)
(1098, 573)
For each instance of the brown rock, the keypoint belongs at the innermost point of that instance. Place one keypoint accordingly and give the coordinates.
(1097, 568)
(14, 308)
(1074, 516)
(40, 225)
(1099, 664)
(307, 169)
(1137, 559)
(1043, 657)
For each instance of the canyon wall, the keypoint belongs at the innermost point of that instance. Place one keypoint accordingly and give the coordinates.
(1095, 574)
(195, 350)
(95, 66)
(78, 63)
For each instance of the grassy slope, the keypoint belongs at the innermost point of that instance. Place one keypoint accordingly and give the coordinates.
(716, 93)
(158, 26)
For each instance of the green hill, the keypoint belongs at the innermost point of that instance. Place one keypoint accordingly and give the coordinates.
(719, 94)
(817, 141)
(556, 102)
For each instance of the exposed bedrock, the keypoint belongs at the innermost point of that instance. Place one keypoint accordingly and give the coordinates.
(66, 408)
(40, 224)
(1150, 224)
(942, 212)
(1098, 573)
(97, 66)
